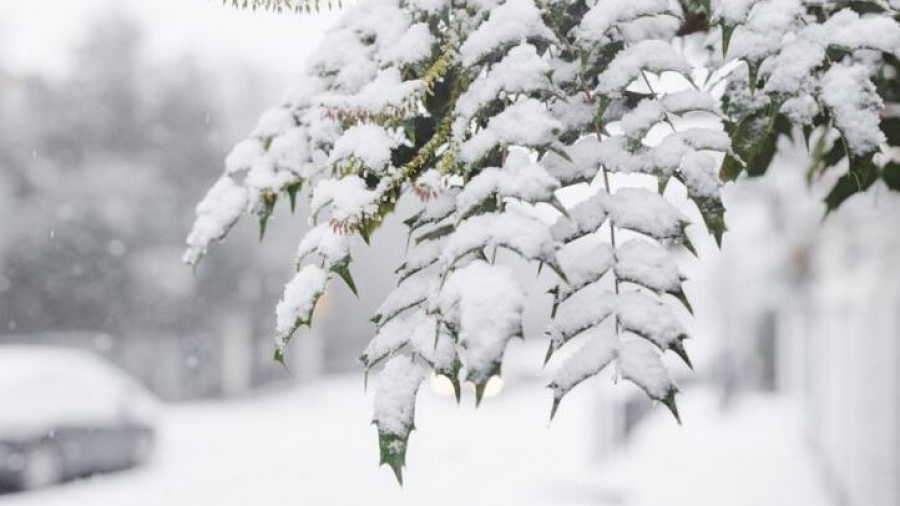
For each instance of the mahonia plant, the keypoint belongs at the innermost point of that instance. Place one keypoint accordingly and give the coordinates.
(487, 113)
(819, 71)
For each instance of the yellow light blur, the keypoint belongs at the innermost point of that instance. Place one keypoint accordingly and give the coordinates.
(441, 385)
(323, 306)
(494, 386)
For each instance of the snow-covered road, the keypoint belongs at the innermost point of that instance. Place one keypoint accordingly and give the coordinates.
(314, 446)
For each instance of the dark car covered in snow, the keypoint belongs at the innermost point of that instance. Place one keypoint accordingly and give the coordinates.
(67, 414)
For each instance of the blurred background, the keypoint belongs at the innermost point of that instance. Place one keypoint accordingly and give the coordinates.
(128, 379)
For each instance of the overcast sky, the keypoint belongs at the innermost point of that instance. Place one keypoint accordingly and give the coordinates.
(36, 35)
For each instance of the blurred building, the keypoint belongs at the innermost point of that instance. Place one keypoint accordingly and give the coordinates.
(809, 307)
(839, 333)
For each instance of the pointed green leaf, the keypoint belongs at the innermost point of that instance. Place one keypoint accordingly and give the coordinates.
(481, 378)
(364, 233)
(731, 168)
(555, 202)
(807, 133)
(834, 155)
(860, 176)
(679, 294)
(669, 401)
(727, 32)
(435, 233)
(557, 269)
(395, 406)
(713, 213)
(688, 245)
(392, 451)
(268, 206)
(891, 129)
(292, 190)
(594, 355)
(557, 399)
(677, 346)
(479, 392)
(343, 270)
(662, 182)
(263, 223)
(891, 175)
(452, 374)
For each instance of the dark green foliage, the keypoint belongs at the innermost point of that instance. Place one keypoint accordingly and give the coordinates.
(861, 174)
(392, 451)
(891, 175)
(755, 133)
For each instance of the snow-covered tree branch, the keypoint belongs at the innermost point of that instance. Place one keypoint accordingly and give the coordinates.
(512, 123)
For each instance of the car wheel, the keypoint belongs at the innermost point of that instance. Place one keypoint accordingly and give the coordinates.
(43, 467)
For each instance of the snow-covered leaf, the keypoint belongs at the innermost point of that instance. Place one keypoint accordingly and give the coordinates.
(640, 363)
(583, 261)
(395, 409)
(223, 205)
(297, 304)
(525, 235)
(484, 303)
(647, 264)
(596, 353)
(584, 218)
(646, 212)
(412, 292)
(649, 318)
(585, 309)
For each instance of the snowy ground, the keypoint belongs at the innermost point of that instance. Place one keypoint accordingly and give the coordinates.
(313, 446)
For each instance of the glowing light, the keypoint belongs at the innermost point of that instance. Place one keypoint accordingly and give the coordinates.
(494, 386)
(323, 306)
(441, 385)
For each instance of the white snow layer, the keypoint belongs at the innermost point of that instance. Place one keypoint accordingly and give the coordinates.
(597, 352)
(640, 363)
(646, 212)
(585, 309)
(653, 320)
(521, 70)
(649, 55)
(605, 15)
(855, 103)
(370, 144)
(519, 232)
(322, 240)
(583, 261)
(395, 395)
(223, 205)
(347, 198)
(486, 303)
(520, 178)
(299, 300)
(649, 264)
(526, 123)
(512, 22)
(411, 292)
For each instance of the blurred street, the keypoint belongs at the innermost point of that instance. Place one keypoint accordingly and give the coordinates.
(314, 445)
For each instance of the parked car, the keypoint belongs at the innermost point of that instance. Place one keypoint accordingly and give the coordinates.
(66, 414)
